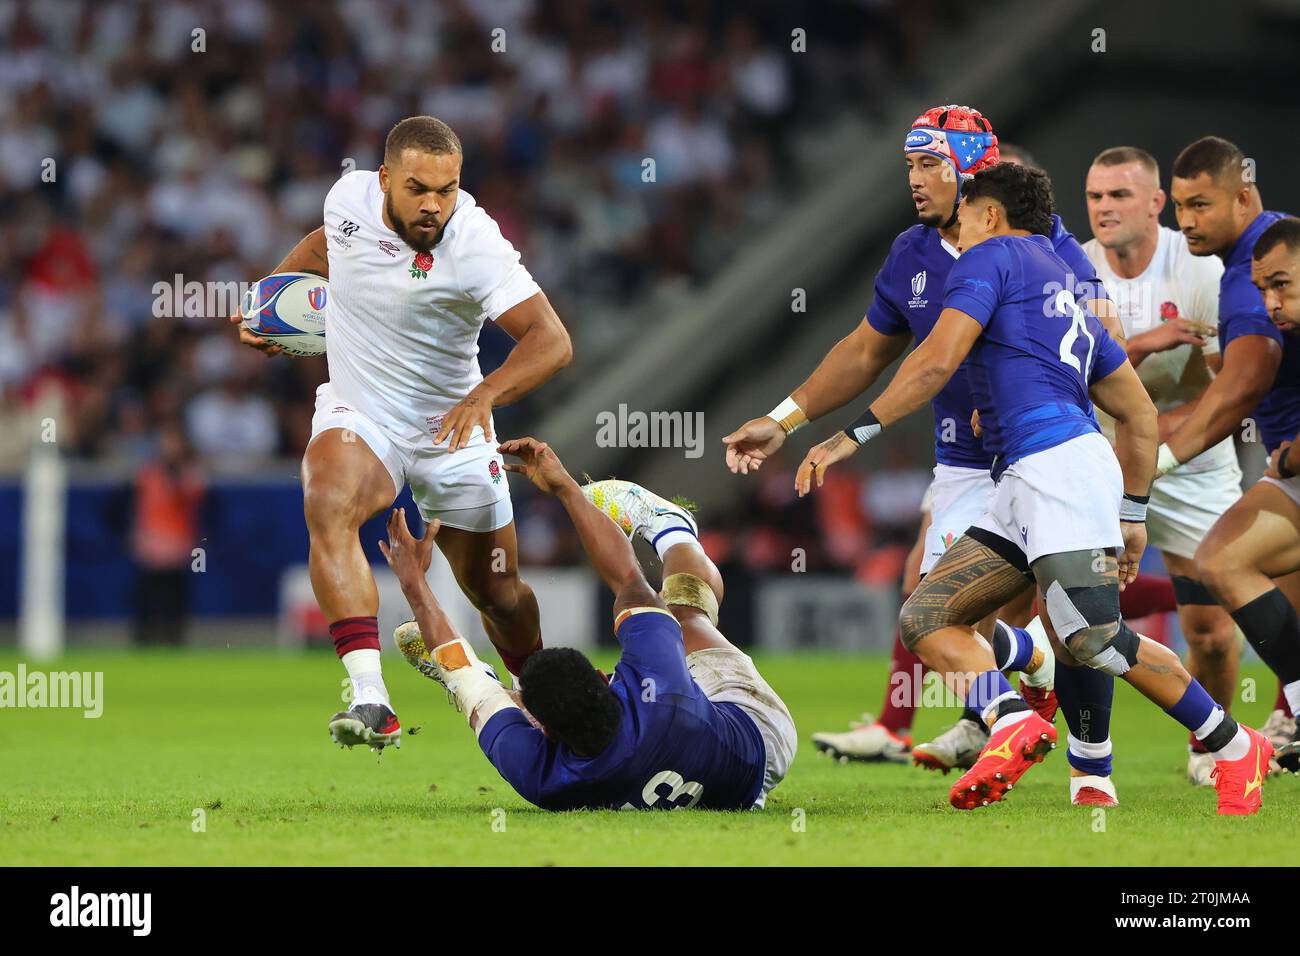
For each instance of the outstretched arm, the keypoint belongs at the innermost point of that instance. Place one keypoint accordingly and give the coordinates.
(607, 547)
(921, 376)
(927, 370)
(848, 370)
(1250, 364)
(409, 557)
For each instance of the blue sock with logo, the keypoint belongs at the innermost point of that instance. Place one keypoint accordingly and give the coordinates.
(1085, 696)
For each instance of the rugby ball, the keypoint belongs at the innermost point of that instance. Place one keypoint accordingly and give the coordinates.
(288, 308)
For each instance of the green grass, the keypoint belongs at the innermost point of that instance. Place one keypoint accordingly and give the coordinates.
(242, 736)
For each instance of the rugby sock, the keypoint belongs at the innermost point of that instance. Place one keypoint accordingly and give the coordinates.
(1092, 758)
(1273, 630)
(904, 690)
(1212, 725)
(1085, 695)
(1292, 692)
(356, 641)
(991, 696)
(671, 536)
(1149, 594)
(1013, 647)
(1035, 673)
(515, 662)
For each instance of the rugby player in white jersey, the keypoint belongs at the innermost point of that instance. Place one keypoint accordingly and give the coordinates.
(415, 268)
(1168, 301)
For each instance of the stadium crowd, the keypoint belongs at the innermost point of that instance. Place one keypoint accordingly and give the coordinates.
(194, 142)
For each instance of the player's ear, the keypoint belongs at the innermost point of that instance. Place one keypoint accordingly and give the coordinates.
(1158, 201)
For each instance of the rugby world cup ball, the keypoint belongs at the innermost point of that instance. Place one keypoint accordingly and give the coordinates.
(288, 308)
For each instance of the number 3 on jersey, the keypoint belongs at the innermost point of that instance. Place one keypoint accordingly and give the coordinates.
(1065, 303)
(676, 788)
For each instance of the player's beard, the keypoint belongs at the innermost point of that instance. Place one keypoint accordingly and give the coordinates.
(413, 238)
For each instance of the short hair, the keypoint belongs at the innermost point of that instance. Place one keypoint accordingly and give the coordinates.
(570, 699)
(1123, 155)
(1025, 192)
(1209, 154)
(1022, 154)
(1284, 232)
(428, 134)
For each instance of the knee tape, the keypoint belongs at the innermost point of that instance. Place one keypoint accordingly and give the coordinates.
(1087, 621)
(691, 591)
(1075, 609)
(1111, 648)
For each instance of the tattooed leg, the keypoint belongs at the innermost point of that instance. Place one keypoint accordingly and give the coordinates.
(938, 621)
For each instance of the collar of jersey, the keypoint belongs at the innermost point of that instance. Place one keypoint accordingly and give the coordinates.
(1245, 244)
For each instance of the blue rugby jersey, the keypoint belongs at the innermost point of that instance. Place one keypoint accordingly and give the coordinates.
(908, 299)
(675, 748)
(1242, 312)
(1040, 350)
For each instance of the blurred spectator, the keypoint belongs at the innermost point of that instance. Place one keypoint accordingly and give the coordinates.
(135, 152)
(168, 494)
(140, 159)
(232, 422)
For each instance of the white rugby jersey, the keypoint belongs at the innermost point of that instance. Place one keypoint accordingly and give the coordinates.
(1175, 284)
(402, 327)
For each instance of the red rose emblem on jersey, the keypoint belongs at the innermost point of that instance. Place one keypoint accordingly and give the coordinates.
(1168, 311)
(495, 471)
(421, 265)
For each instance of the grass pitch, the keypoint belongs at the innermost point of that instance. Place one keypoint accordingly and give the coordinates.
(236, 741)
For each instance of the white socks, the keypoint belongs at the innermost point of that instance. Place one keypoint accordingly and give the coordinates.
(1009, 719)
(367, 677)
(1292, 693)
(666, 539)
(1236, 748)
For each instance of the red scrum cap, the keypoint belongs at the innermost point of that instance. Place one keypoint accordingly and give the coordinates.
(956, 134)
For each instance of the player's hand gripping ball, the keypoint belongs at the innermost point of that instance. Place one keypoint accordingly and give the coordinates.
(286, 313)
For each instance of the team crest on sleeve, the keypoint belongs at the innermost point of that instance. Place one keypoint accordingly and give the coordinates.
(421, 265)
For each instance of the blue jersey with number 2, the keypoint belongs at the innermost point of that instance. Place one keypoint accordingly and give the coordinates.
(1040, 350)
